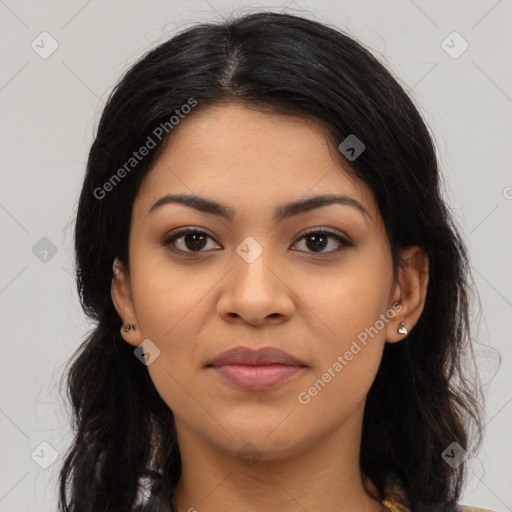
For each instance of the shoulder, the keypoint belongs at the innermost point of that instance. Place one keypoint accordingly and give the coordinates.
(396, 499)
(469, 508)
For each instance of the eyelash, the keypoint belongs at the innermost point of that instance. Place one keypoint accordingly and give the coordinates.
(313, 231)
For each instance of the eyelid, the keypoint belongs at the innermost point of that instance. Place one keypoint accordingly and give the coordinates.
(342, 238)
(184, 231)
(330, 231)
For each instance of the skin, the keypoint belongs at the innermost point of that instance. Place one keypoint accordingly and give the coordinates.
(194, 308)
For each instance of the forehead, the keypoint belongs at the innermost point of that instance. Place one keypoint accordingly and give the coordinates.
(240, 156)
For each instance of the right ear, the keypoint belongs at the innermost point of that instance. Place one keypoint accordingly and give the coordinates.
(120, 291)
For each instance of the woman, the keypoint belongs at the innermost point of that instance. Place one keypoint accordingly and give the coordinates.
(280, 293)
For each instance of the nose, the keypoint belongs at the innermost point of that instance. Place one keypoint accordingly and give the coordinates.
(256, 292)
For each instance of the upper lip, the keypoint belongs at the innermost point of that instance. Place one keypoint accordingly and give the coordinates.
(251, 357)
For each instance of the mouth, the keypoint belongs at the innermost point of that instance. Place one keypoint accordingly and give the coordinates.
(256, 370)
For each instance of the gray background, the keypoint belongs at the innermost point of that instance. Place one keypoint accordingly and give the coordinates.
(50, 108)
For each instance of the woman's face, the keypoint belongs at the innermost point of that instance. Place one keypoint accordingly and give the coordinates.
(255, 280)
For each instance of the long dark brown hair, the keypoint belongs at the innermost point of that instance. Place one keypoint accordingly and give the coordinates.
(125, 455)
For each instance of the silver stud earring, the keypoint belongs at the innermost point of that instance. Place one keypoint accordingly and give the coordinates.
(127, 327)
(402, 329)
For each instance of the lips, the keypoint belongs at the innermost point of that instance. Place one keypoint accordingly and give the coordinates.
(261, 357)
(256, 370)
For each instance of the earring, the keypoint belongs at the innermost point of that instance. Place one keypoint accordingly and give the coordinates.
(127, 327)
(115, 267)
(408, 367)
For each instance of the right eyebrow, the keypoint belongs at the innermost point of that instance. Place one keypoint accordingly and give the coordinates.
(281, 213)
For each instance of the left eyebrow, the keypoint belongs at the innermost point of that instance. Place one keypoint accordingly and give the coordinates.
(281, 213)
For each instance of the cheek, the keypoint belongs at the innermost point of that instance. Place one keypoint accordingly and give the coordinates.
(170, 303)
(350, 351)
(333, 395)
(352, 307)
(351, 300)
(166, 296)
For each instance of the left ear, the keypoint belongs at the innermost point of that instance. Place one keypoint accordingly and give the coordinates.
(410, 291)
(121, 297)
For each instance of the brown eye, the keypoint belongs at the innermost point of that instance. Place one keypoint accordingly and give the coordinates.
(316, 241)
(190, 240)
(319, 242)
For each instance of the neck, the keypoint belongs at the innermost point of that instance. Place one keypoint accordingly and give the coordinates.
(323, 476)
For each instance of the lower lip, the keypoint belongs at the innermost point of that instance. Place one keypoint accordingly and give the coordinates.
(257, 378)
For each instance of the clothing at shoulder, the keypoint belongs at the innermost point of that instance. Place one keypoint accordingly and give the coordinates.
(397, 500)
(468, 508)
